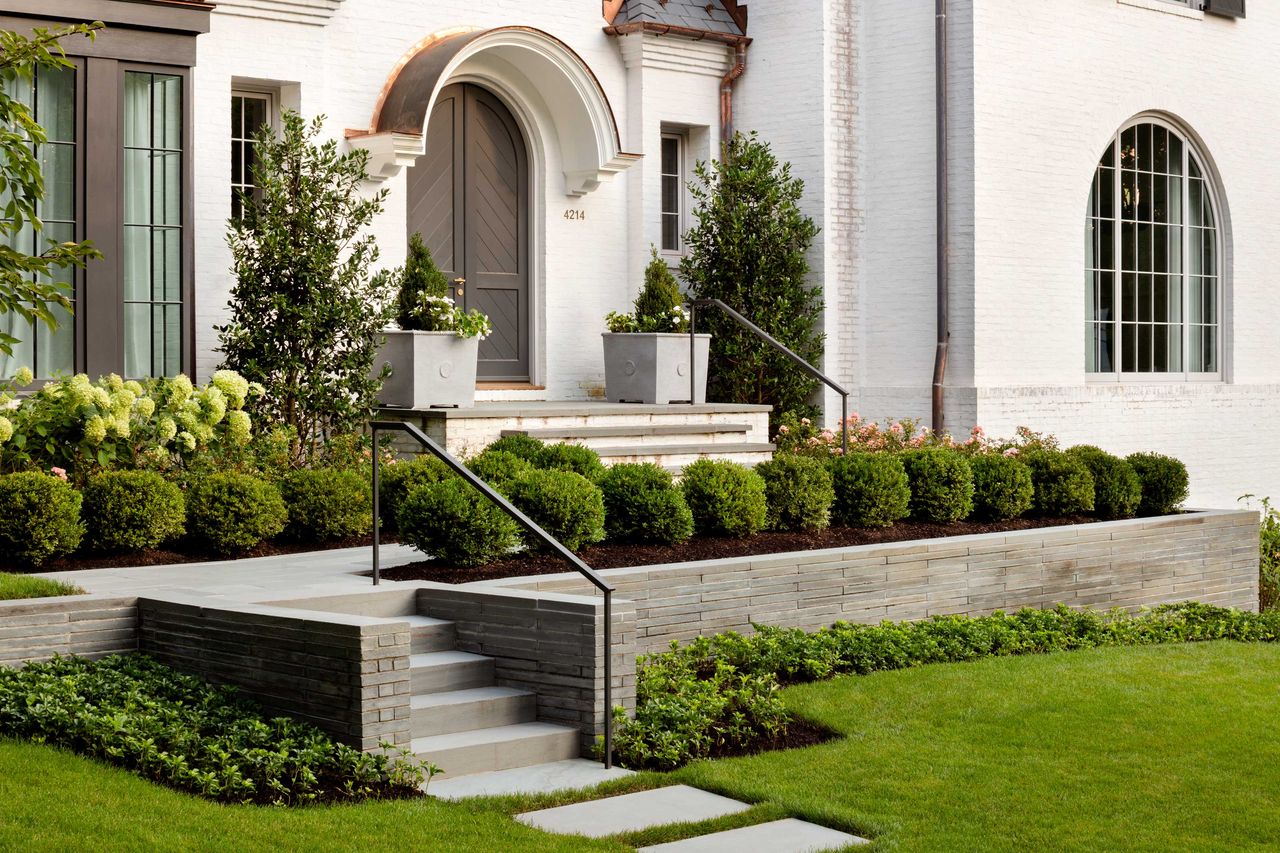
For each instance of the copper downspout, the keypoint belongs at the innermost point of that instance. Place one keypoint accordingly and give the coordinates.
(726, 93)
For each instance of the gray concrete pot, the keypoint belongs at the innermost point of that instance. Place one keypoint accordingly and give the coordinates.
(644, 367)
(428, 370)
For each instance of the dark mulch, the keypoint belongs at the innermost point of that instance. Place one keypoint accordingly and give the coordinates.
(612, 556)
(184, 553)
(799, 734)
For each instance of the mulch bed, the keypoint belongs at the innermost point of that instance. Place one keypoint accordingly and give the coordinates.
(193, 554)
(610, 556)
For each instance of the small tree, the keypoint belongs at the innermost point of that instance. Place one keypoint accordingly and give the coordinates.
(305, 312)
(748, 249)
(30, 285)
(419, 277)
(659, 307)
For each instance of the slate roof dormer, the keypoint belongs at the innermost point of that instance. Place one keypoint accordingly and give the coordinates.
(724, 19)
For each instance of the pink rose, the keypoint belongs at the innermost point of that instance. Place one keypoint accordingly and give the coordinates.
(60, 473)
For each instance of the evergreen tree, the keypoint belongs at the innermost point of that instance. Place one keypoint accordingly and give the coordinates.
(659, 306)
(419, 277)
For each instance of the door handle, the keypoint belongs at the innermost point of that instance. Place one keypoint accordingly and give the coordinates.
(457, 284)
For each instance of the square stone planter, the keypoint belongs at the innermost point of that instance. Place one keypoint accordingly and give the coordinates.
(428, 370)
(643, 367)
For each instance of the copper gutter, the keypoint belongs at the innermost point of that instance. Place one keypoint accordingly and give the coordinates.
(726, 93)
(673, 30)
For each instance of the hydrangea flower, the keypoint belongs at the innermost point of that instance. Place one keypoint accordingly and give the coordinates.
(6, 429)
(186, 441)
(234, 386)
(238, 427)
(166, 429)
(95, 430)
(24, 376)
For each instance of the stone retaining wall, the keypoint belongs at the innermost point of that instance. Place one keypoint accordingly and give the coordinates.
(1204, 556)
(349, 675)
(36, 629)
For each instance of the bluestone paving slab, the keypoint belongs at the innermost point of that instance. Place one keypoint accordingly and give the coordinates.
(574, 774)
(779, 836)
(633, 812)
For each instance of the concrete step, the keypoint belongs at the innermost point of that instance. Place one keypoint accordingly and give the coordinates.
(573, 774)
(439, 672)
(465, 710)
(680, 455)
(642, 434)
(778, 836)
(500, 748)
(429, 635)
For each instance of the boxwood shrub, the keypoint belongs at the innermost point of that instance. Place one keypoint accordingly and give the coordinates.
(1063, 483)
(41, 518)
(871, 490)
(499, 468)
(798, 492)
(726, 499)
(395, 482)
(132, 511)
(564, 504)
(519, 445)
(1002, 487)
(571, 457)
(327, 504)
(1117, 491)
(228, 512)
(1165, 483)
(452, 521)
(941, 484)
(642, 505)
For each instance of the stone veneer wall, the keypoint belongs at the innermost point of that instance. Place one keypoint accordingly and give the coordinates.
(1204, 556)
(548, 643)
(36, 629)
(347, 674)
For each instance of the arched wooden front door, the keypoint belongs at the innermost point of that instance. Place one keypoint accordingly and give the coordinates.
(468, 196)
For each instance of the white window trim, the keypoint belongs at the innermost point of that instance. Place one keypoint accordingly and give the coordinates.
(682, 176)
(1211, 186)
(1179, 8)
(271, 98)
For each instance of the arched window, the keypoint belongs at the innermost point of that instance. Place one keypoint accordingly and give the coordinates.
(1153, 269)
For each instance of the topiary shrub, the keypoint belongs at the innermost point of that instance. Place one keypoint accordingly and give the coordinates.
(453, 522)
(1062, 483)
(499, 468)
(571, 457)
(519, 445)
(798, 492)
(726, 499)
(941, 484)
(325, 503)
(565, 504)
(419, 278)
(871, 490)
(395, 482)
(1117, 491)
(229, 512)
(41, 518)
(132, 511)
(1165, 483)
(643, 505)
(1002, 487)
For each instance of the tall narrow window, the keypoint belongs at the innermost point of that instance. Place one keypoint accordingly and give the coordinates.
(249, 112)
(152, 224)
(672, 192)
(1153, 281)
(51, 97)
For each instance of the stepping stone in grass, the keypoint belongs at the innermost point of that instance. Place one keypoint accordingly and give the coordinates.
(779, 836)
(633, 812)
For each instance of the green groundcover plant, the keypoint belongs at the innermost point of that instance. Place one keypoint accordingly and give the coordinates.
(14, 586)
(718, 693)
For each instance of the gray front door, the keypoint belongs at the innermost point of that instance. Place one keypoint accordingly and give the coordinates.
(468, 196)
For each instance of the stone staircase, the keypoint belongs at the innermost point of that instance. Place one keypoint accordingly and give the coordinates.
(462, 721)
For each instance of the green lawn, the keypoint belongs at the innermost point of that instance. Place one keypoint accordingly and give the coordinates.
(25, 586)
(1165, 748)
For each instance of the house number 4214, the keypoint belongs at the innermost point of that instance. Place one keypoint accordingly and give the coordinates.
(575, 215)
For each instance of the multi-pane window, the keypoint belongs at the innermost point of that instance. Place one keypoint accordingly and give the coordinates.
(249, 112)
(51, 98)
(153, 224)
(1153, 276)
(672, 192)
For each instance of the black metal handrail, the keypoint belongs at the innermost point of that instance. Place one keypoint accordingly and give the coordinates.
(524, 521)
(769, 339)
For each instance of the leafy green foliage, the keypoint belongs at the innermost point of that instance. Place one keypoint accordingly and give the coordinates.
(726, 499)
(642, 505)
(1063, 483)
(229, 512)
(748, 248)
(30, 285)
(29, 586)
(1117, 491)
(499, 468)
(570, 457)
(132, 511)
(1269, 556)
(325, 503)
(798, 491)
(659, 307)
(305, 313)
(941, 484)
(1165, 483)
(418, 277)
(397, 479)
(520, 445)
(564, 504)
(1002, 487)
(453, 522)
(41, 518)
(872, 490)
(183, 732)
